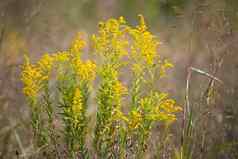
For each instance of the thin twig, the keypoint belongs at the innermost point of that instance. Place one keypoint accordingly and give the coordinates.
(190, 70)
(206, 74)
(187, 109)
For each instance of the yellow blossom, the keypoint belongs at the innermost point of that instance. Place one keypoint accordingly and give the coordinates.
(77, 44)
(77, 105)
(45, 63)
(62, 56)
(119, 89)
(169, 106)
(86, 71)
(31, 77)
(164, 66)
(135, 120)
(144, 47)
(110, 41)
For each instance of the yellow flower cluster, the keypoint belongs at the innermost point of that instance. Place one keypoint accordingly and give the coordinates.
(144, 45)
(164, 66)
(78, 44)
(77, 105)
(119, 89)
(135, 120)
(45, 63)
(62, 57)
(34, 75)
(110, 41)
(157, 107)
(86, 71)
(32, 78)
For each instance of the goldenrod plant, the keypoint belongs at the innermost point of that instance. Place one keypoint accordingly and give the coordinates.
(59, 87)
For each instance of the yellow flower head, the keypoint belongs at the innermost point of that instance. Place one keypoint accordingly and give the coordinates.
(77, 105)
(62, 56)
(164, 66)
(144, 47)
(77, 45)
(45, 63)
(158, 107)
(165, 108)
(119, 89)
(135, 120)
(169, 106)
(31, 76)
(86, 71)
(110, 41)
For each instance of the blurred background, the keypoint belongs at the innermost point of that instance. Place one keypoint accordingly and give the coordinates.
(198, 33)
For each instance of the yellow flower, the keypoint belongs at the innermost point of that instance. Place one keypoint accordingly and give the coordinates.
(77, 44)
(110, 41)
(45, 63)
(86, 71)
(108, 72)
(135, 120)
(119, 89)
(34, 76)
(144, 47)
(164, 66)
(77, 106)
(169, 106)
(31, 76)
(161, 116)
(62, 56)
(158, 107)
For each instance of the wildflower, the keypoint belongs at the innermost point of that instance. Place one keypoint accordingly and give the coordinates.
(45, 63)
(62, 56)
(77, 105)
(119, 89)
(164, 66)
(169, 106)
(110, 41)
(77, 44)
(31, 77)
(144, 45)
(84, 70)
(135, 120)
